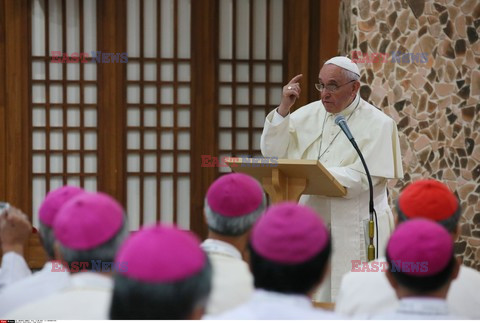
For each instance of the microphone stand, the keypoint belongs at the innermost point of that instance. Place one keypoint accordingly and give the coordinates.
(340, 120)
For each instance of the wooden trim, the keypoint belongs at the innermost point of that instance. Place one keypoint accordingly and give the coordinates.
(204, 94)
(297, 36)
(3, 122)
(17, 98)
(111, 37)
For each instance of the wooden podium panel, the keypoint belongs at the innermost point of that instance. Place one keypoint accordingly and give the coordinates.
(287, 179)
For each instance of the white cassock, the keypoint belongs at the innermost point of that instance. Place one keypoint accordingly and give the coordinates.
(14, 268)
(232, 281)
(311, 133)
(87, 297)
(419, 308)
(266, 305)
(35, 287)
(370, 293)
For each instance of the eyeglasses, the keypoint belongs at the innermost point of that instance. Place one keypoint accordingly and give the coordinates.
(330, 87)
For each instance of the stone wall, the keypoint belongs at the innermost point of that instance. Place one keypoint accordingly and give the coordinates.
(435, 101)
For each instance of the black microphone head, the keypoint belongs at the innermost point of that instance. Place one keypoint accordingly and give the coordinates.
(339, 119)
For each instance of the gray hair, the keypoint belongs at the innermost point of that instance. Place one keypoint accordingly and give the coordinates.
(134, 299)
(232, 226)
(48, 239)
(105, 252)
(349, 75)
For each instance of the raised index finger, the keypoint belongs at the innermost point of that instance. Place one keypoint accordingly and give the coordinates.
(296, 79)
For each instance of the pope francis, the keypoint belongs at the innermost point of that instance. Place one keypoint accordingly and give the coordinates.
(311, 133)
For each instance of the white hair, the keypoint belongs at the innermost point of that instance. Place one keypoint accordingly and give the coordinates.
(232, 226)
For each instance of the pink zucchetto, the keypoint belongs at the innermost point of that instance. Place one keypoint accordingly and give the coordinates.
(420, 242)
(54, 201)
(234, 195)
(161, 254)
(88, 220)
(289, 233)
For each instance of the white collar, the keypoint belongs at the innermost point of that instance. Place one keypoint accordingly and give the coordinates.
(221, 247)
(423, 306)
(297, 300)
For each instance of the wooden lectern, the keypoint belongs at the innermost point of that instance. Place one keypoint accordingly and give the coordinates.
(288, 179)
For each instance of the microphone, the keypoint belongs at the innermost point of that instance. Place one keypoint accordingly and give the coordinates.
(342, 123)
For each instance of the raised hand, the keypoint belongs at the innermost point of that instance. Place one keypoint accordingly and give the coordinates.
(291, 92)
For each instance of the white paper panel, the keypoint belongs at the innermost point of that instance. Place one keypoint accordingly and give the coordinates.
(133, 28)
(56, 70)
(38, 139)
(225, 30)
(242, 95)
(183, 163)
(225, 95)
(259, 95)
(149, 200)
(225, 142)
(38, 93)
(183, 140)
(166, 199)
(73, 117)
(225, 117)
(166, 71)
(90, 117)
(39, 188)
(90, 94)
(38, 70)
(150, 71)
(133, 71)
(55, 25)
(243, 29)
(56, 93)
(90, 184)
(166, 163)
(73, 27)
(90, 28)
(258, 118)
(56, 163)
(183, 72)
(183, 203)
(166, 117)
(73, 163)
(133, 94)
(150, 163)
(56, 117)
(38, 163)
(149, 94)
(90, 163)
(242, 73)
(183, 117)
(183, 95)
(167, 28)
(241, 117)
(259, 73)
(150, 28)
(150, 140)
(166, 140)
(73, 93)
(241, 140)
(133, 117)
(133, 162)
(73, 71)
(133, 139)
(276, 29)
(259, 24)
(38, 117)
(133, 202)
(73, 140)
(38, 28)
(150, 117)
(56, 140)
(183, 23)
(90, 140)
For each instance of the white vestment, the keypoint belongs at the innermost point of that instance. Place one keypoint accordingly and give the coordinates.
(35, 287)
(370, 293)
(14, 268)
(88, 297)
(232, 281)
(311, 133)
(419, 308)
(266, 305)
